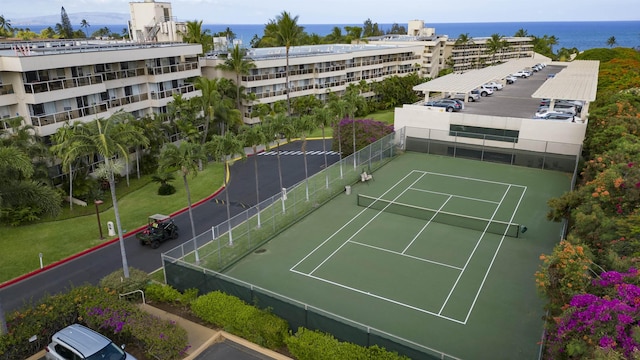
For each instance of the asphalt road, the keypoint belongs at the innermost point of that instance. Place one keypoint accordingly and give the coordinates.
(90, 268)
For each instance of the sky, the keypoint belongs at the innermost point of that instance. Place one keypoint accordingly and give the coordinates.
(349, 11)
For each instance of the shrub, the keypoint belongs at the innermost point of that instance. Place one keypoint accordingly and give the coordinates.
(137, 280)
(167, 294)
(315, 345)
(242, 319)
(166, 189)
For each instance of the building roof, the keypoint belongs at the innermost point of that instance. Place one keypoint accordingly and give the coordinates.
(467, 81)
(315, 50)
(578, 81)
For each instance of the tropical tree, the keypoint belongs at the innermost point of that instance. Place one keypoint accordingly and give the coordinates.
(222, 148)
(276, 127)
(107, 138)
(207, 102)
(335, 36)
(495, 44)
(66, 30)
(353, 101)
(285, 31)
(338, 108)
(611, 42)
(252, 136)
(552, 40)
(302, 127)
(521, 33)
(60, 137)
(5, 26)
(238, 63)
(187, 158)
(354, 33)
(323, 118)
(195, 35)
(84, 25)
(370, 28)
(464, 39)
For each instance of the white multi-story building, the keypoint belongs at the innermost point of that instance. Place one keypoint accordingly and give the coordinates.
(317, 70)
(48, 83)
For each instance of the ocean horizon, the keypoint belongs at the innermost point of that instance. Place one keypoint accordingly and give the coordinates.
(582, 35)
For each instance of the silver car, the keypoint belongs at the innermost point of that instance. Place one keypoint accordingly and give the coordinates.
(81, 343)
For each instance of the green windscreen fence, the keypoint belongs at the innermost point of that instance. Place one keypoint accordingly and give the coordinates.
(442, 217)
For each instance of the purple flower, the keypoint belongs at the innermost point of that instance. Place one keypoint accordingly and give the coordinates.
(607, 342)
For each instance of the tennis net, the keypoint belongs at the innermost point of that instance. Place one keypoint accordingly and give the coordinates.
(443, 217)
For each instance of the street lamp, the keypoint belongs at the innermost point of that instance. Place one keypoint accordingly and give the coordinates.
(99, 202)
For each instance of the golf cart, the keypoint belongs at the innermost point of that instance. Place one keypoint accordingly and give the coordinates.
(161, 228)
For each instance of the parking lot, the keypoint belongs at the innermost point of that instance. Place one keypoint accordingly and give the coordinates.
(514, 100)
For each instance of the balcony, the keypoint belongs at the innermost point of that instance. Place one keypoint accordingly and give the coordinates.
(61, 84)
(127, 100)
(68, 115)
(168, 69)
(6, 89)
(170, 92)
(123, 74)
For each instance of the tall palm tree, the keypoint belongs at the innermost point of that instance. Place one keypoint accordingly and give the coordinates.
(521, 33)
(222, 148)
(5, 26)
(611, 42)
(464, 39)
(275, 128)
(552, 40)
(354, 33)
(194, 34)
(353, 101)
(106, 138)
(495, 44)
(240, 64)
(59, 149)
(338, 107)
(186, 158)
(253, 136)
(285, 31)
(323, 117)
(335, 36)
(303, 126)
(208, 101)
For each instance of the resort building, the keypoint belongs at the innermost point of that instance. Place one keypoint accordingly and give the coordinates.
(316, 70)
(49, 83)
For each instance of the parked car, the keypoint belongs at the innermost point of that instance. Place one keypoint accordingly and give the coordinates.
(510, 79)
(449, 104)
(577, 104)
(460, 96)
(483, 91)
(522, 74)
(493, 85)
(545, 109)
(558, 116)
(79, 343)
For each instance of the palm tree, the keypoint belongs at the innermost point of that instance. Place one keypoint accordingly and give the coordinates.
(286, 32)
(186, 158)
(84, 24)
(253, 136)
(207, 101)
(495, 44)
(5, 26)
(275, 127)
(552, 40)
(323, 117)
(195, 35)
(335, 37)
(521, 33)
(106, 138)
(59, 139)
(240, 65)
(338, 107)
(222, 148)
(353, 101)
(303, 126)
(464, 39)
(611, 42)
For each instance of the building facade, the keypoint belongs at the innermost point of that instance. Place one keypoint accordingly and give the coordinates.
(49, 83)
(316, 70)
(153, 21)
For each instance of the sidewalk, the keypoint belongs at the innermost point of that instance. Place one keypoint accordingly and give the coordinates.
(200, 338)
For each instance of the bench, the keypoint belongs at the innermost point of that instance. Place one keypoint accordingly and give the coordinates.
(365, 177)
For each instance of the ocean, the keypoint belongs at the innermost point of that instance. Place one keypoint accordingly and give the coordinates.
(581, 35)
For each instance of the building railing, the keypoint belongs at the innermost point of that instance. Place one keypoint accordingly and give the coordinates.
(6, 89)
(61, 84)
(123, 74)
(130, 99)
(167, 69)
(62, 116)
(175, 91)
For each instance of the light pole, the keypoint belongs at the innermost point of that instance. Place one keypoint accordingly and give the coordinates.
(99, 202)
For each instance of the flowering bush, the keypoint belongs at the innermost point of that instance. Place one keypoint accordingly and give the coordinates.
(367, 131)
(590, 321)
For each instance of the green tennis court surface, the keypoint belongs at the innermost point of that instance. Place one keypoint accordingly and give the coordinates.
(430, 251)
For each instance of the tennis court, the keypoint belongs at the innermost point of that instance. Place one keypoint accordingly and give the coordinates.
(431, 250)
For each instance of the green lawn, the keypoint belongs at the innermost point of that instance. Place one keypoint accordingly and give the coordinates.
(57, 240)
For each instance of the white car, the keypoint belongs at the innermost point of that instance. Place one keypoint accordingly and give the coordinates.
(521, 74)
(79, 343)
(545, 110)
(472, 97)
(563, 108)
(510, 79)
(494, 85)
(558, 116)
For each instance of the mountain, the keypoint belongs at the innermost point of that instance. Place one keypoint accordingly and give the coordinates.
(97, 18)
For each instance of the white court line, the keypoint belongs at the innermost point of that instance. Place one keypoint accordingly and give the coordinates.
(378, 297)
(474, 250)
(425, 225)
(346, 224)
(405, 255)
(364, 226)
(455, 196)
(469, 178)
(493, 259)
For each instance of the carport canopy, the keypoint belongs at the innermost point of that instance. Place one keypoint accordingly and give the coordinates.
(578, 81)
(465, 82)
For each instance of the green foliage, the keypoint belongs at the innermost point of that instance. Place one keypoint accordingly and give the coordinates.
(315, 345)
(367, 131)
(395, 90)
(166, 294)
(242, 319)
(166, 189)
(116, 281)
(98, 308)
